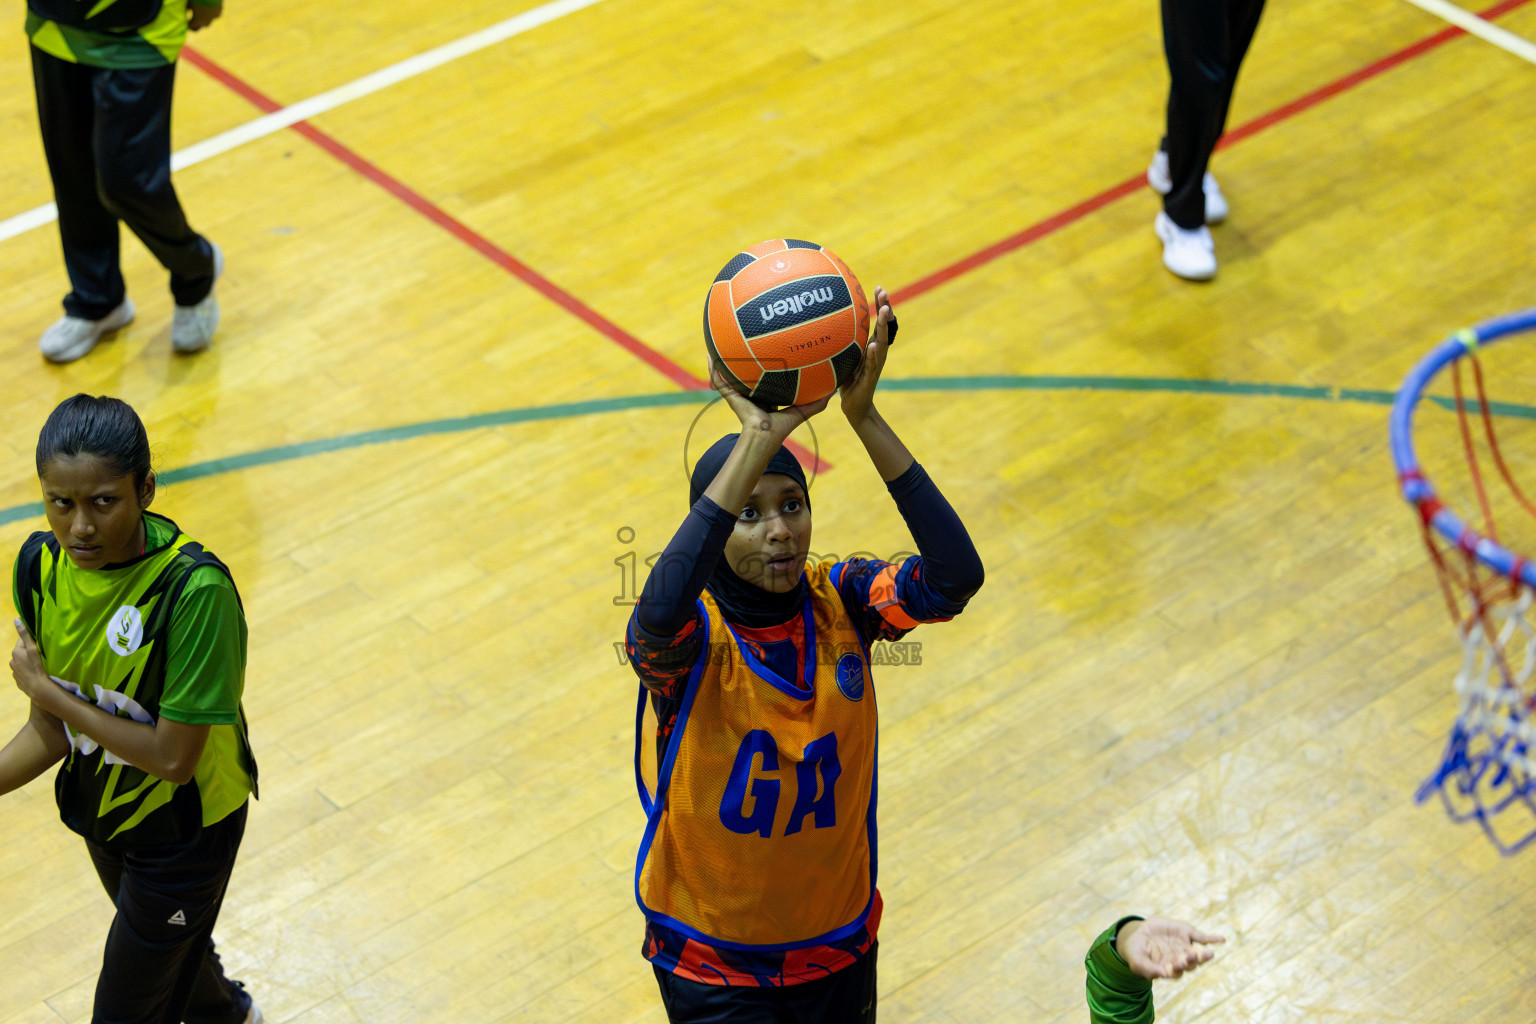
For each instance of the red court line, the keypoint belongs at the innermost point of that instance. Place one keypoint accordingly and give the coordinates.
(532, 278)
(1056, 222)
(469, 236)
(682, 377)
(1033, 233)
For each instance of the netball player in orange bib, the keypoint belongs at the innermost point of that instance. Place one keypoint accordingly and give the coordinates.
(756, 872)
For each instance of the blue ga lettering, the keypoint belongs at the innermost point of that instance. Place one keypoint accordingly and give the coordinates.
(751, 803)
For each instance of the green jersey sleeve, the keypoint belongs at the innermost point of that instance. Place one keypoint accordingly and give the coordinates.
(205, 666)
(1116, 994)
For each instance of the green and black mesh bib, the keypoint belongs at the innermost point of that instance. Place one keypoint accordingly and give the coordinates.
(107, 633)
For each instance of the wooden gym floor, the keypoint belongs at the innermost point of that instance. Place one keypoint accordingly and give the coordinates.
(1209, 666)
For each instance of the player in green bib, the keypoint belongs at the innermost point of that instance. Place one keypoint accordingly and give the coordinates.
(104, 72)
(131, 648)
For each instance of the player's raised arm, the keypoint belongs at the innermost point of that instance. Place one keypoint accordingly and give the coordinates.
(890, 599)
(662, 638)
(762, 434)
(886, 451)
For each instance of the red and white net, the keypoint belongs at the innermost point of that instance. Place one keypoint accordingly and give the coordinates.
(1488, 769)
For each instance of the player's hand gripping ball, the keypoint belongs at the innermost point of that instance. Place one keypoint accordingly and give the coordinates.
(787, 322)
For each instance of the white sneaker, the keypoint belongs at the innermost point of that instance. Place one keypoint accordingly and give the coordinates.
(70, 337)
(1162, 183)
(192, 327)
(1189, 254)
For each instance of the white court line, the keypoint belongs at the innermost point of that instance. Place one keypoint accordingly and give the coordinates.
(1475, 26)
(306, 109)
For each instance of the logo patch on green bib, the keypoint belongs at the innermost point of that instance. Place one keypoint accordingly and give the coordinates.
(125, 631)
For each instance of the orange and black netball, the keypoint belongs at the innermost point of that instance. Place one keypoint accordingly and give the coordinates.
(786, 321)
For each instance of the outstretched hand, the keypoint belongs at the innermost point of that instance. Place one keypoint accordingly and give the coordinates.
(778, 424)
(859, 393)
(1162, 948)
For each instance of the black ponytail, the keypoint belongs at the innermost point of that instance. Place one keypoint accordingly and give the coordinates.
(107, 428)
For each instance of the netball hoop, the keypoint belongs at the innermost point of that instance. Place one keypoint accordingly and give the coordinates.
(1487, 773)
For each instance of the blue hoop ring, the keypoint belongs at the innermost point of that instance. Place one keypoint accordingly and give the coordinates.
(1416, 488)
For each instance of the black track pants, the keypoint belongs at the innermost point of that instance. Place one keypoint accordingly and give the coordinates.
(1205, 41)
(107, 136)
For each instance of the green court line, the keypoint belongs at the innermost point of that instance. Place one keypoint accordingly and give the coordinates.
(570, 410)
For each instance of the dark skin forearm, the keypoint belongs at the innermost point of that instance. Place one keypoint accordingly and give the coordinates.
(37, 746)
(761, 435)
(165, 749)
(890, 456)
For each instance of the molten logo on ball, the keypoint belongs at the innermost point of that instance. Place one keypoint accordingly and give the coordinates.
(786, 321)
(794, 304)
(802, 301)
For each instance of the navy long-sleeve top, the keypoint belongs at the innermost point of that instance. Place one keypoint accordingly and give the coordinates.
(884, 600)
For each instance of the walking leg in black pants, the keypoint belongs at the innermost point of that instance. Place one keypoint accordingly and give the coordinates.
(1205, 42)
(160, 966)
(107, 136)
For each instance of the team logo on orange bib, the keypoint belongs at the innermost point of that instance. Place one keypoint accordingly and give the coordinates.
(850, 676)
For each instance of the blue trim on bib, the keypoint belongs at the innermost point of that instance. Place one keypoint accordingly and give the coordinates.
(771, 677)
(835, 935)
(874, 801)
(654, 806)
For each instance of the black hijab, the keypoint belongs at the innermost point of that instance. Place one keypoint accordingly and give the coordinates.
(745, 603)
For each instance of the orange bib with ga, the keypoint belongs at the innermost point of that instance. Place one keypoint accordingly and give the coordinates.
(762, 832)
